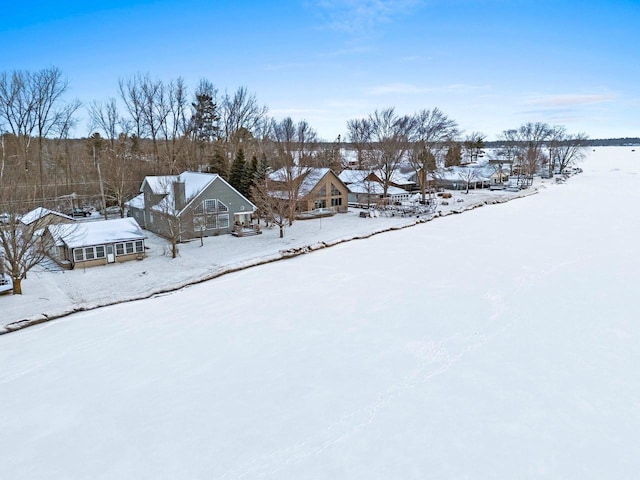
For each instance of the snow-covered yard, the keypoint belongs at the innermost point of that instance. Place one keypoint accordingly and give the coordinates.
(501, 343)
(50, 294)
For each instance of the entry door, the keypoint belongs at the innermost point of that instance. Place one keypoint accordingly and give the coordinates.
(110, 256)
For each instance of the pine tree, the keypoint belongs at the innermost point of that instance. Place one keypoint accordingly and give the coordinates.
(249, 175)
(218, 164)
(204, 120)
(237, 174)
(453, 156)
(262, 171)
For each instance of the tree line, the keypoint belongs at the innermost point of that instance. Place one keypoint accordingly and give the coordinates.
(156, 127)
(163, 127)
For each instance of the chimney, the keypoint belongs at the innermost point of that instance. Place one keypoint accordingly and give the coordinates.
(180, 200)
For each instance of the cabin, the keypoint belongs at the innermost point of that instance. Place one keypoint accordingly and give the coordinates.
(90, 244)
(317, 189)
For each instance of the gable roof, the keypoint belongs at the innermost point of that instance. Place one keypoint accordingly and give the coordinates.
(312, 176)
(311, 179)
(353, 176)
(136, 202)
(40, 212)
(96, 233)
(194, 184)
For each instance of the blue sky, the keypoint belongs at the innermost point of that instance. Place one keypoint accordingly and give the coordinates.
(490, 65)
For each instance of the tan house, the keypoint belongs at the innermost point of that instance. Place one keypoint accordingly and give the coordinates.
(317, 188)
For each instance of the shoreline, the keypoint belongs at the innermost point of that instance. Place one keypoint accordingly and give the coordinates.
(282, 254)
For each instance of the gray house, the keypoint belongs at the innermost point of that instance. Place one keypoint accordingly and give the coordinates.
(190, 205)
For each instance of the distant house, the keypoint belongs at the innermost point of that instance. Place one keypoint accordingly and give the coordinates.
(194, 203)
(317, 188)
(95, 243)
(41, 217)
(366, 188)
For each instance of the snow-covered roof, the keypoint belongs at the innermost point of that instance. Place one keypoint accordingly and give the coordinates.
(282, 174)
(194, 183)
(353, 176)
(136, 202)
(96, 233)
(482, 172)
(311, 178)
(39, 212)
(375, 188)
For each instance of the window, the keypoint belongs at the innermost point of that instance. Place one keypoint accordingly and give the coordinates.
(334, 191)
(336, 202)
(212, 213)
(323, 191)
(211, 221)
(320, 204)
(127, 248)
(88, 253)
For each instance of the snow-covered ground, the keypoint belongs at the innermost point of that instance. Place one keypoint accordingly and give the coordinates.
(50, 294)
(501, 343)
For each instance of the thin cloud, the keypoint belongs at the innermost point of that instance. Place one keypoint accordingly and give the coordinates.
(361, 16)
(571, 100)
(411, 89)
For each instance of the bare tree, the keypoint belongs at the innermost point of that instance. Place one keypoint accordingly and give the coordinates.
(389, 142)
(241, 116)
(531, 140)
(17, 111)
(270, 204)
(468, 175)
(295, 147)
(174, 124)
(133, 98)
(570, 150)
(509, 149)
(105, 117)
(360, 136)
(22, 247)
(432, 133)
(473, 145)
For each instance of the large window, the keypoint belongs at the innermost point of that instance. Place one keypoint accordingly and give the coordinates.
(88, 253)
(127, 248)
(211, 213)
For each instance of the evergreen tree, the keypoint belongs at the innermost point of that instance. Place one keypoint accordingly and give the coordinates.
(237, 174)
(453, 156)
(249, 177)
(218, 164)
(205, 118)
(262, 171)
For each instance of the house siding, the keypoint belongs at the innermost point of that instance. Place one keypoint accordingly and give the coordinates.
(309, 201)
(219, 190)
